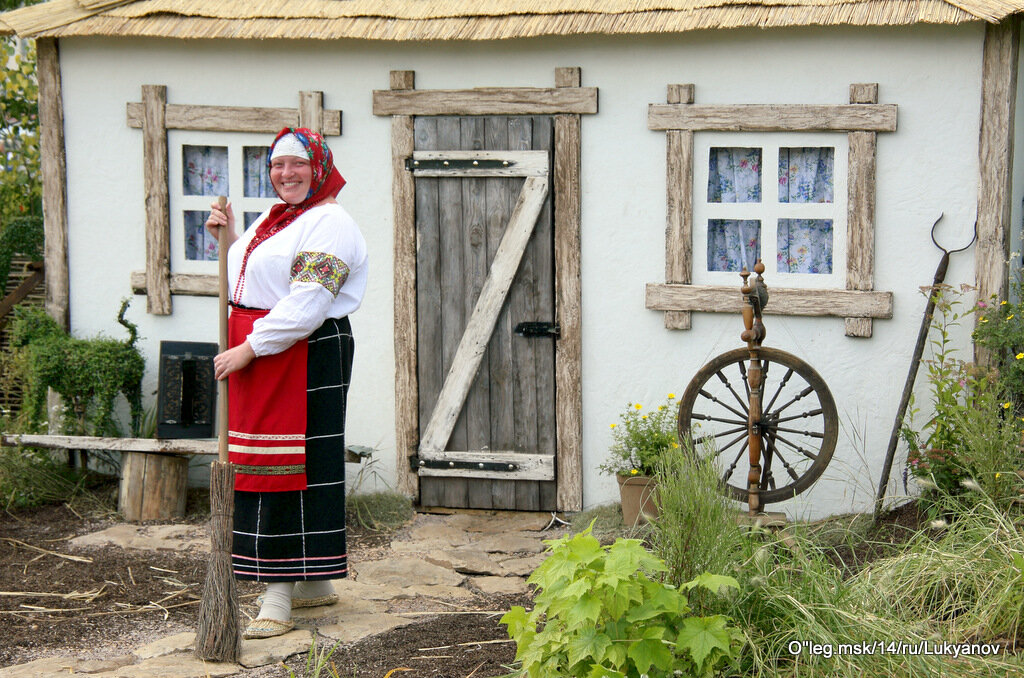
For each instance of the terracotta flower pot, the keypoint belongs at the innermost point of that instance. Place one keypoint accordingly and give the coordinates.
(637, 494)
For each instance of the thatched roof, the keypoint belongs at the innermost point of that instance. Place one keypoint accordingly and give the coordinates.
(470, 19)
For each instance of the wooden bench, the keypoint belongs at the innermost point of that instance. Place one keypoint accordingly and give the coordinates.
(154, 473)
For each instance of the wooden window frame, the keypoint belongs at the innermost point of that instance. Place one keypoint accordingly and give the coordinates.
(862, 119)
(155, 117)
(567, 102)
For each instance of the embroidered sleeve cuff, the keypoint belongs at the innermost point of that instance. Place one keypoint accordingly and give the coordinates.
(320, 268)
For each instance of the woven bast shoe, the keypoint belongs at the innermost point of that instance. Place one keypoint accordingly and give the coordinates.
(267, 628)
(329, 599)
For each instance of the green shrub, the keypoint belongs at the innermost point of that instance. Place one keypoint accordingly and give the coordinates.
(1000, 328)
(384, 511)
(696, 529)
(640, 438)
(601, 612)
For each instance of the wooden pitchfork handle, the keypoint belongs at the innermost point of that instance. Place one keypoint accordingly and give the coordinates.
(222, 385)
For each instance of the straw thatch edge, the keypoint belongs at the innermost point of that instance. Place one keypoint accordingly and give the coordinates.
(65, 18)
(501, 28)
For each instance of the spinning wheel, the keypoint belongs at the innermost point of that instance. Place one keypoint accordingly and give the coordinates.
(766, 403)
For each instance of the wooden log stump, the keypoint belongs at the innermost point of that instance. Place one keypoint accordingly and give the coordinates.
(153, 486)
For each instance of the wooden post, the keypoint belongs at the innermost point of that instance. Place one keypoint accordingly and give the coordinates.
(998, 97)
(54, 171)
(311, 111)
(153, 486)
(158, 228)
(860, 223)
(404, 205)
(568, 302)
(679, 216)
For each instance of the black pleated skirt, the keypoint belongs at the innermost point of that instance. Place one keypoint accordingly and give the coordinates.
(300, 536)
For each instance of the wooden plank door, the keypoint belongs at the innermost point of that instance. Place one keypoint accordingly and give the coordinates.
(485, 264)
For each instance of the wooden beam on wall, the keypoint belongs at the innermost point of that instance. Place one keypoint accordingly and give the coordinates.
(486, 101)
(403, 193)
(772, 117)
(679, 213)
(785, 301)
(995, 149)
(158, 226)
(53, 160)
(568, 302)
(237, 118)
(860, 204)
(188, 284)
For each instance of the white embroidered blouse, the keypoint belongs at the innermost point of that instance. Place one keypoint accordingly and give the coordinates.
(313, 269)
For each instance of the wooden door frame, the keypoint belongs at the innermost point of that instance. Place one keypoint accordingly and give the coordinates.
(567, 101)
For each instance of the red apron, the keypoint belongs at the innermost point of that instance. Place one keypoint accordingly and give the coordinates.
(267, 414)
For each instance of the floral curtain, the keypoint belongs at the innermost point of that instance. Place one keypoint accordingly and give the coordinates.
(206, 170)
(199, 244)
(257, 179)
(805, 246)
(734, 175)
(733, 244)
(806, 174)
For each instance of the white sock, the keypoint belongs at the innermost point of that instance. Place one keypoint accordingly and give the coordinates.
(313, 589)
(277, 602)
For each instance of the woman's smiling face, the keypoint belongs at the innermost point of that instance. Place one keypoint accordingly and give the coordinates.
(291, 177)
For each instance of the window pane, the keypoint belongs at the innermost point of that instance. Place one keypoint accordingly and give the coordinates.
(805, 174)
(199, 244)
(734, 175)
(206, 170)
(733, 244)
(805, 246)
(249, 217)
(257, 179)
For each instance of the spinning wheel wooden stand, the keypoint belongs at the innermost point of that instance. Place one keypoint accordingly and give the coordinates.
(765, 402)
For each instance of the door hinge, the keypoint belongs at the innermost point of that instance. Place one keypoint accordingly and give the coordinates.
(538, 329)
(416, 463)
(457, 164)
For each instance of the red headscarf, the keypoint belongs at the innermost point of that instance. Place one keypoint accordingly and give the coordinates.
(326, 183)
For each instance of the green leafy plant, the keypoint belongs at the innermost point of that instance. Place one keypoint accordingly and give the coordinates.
(20, 187)
(602, 612)
(640, 438)
(696, 530)
(1000, 328)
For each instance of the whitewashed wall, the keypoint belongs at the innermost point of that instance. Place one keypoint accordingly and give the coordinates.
(928, 166)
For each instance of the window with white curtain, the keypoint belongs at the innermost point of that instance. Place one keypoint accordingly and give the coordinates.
(202, 166)
(771, 197)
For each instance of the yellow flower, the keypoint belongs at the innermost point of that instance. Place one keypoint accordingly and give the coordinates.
(1006, 406)
(638, 406)
(644, 417)
(997, 475)
(611, 425)
(676, 445)
(633, 472)
(671, 396)
(983, 320)
(1003, 302)
(661, 407)
(1010, 317)
(1019, 356)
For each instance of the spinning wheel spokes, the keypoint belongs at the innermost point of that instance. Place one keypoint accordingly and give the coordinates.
(803, 449)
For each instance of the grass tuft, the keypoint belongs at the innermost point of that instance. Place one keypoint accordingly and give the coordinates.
(382, 511)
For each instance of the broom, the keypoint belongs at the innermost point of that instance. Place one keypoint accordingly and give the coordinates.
(218, 634)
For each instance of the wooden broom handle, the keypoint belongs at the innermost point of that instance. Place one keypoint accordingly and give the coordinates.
(222, 385)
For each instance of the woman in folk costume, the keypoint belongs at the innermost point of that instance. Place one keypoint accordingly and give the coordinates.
(294, 277)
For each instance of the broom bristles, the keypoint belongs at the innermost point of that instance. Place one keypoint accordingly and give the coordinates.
(218, 633)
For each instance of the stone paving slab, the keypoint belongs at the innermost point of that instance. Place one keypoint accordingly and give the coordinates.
(500, 585)
(52, 667)
(173, 666)
(179, 642)
(466, 562)
(148, 538)
(360, 626)
(522, 567)
(406, 572)
(263, 651)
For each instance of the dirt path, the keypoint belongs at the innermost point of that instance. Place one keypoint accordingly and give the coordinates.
(72, 598)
